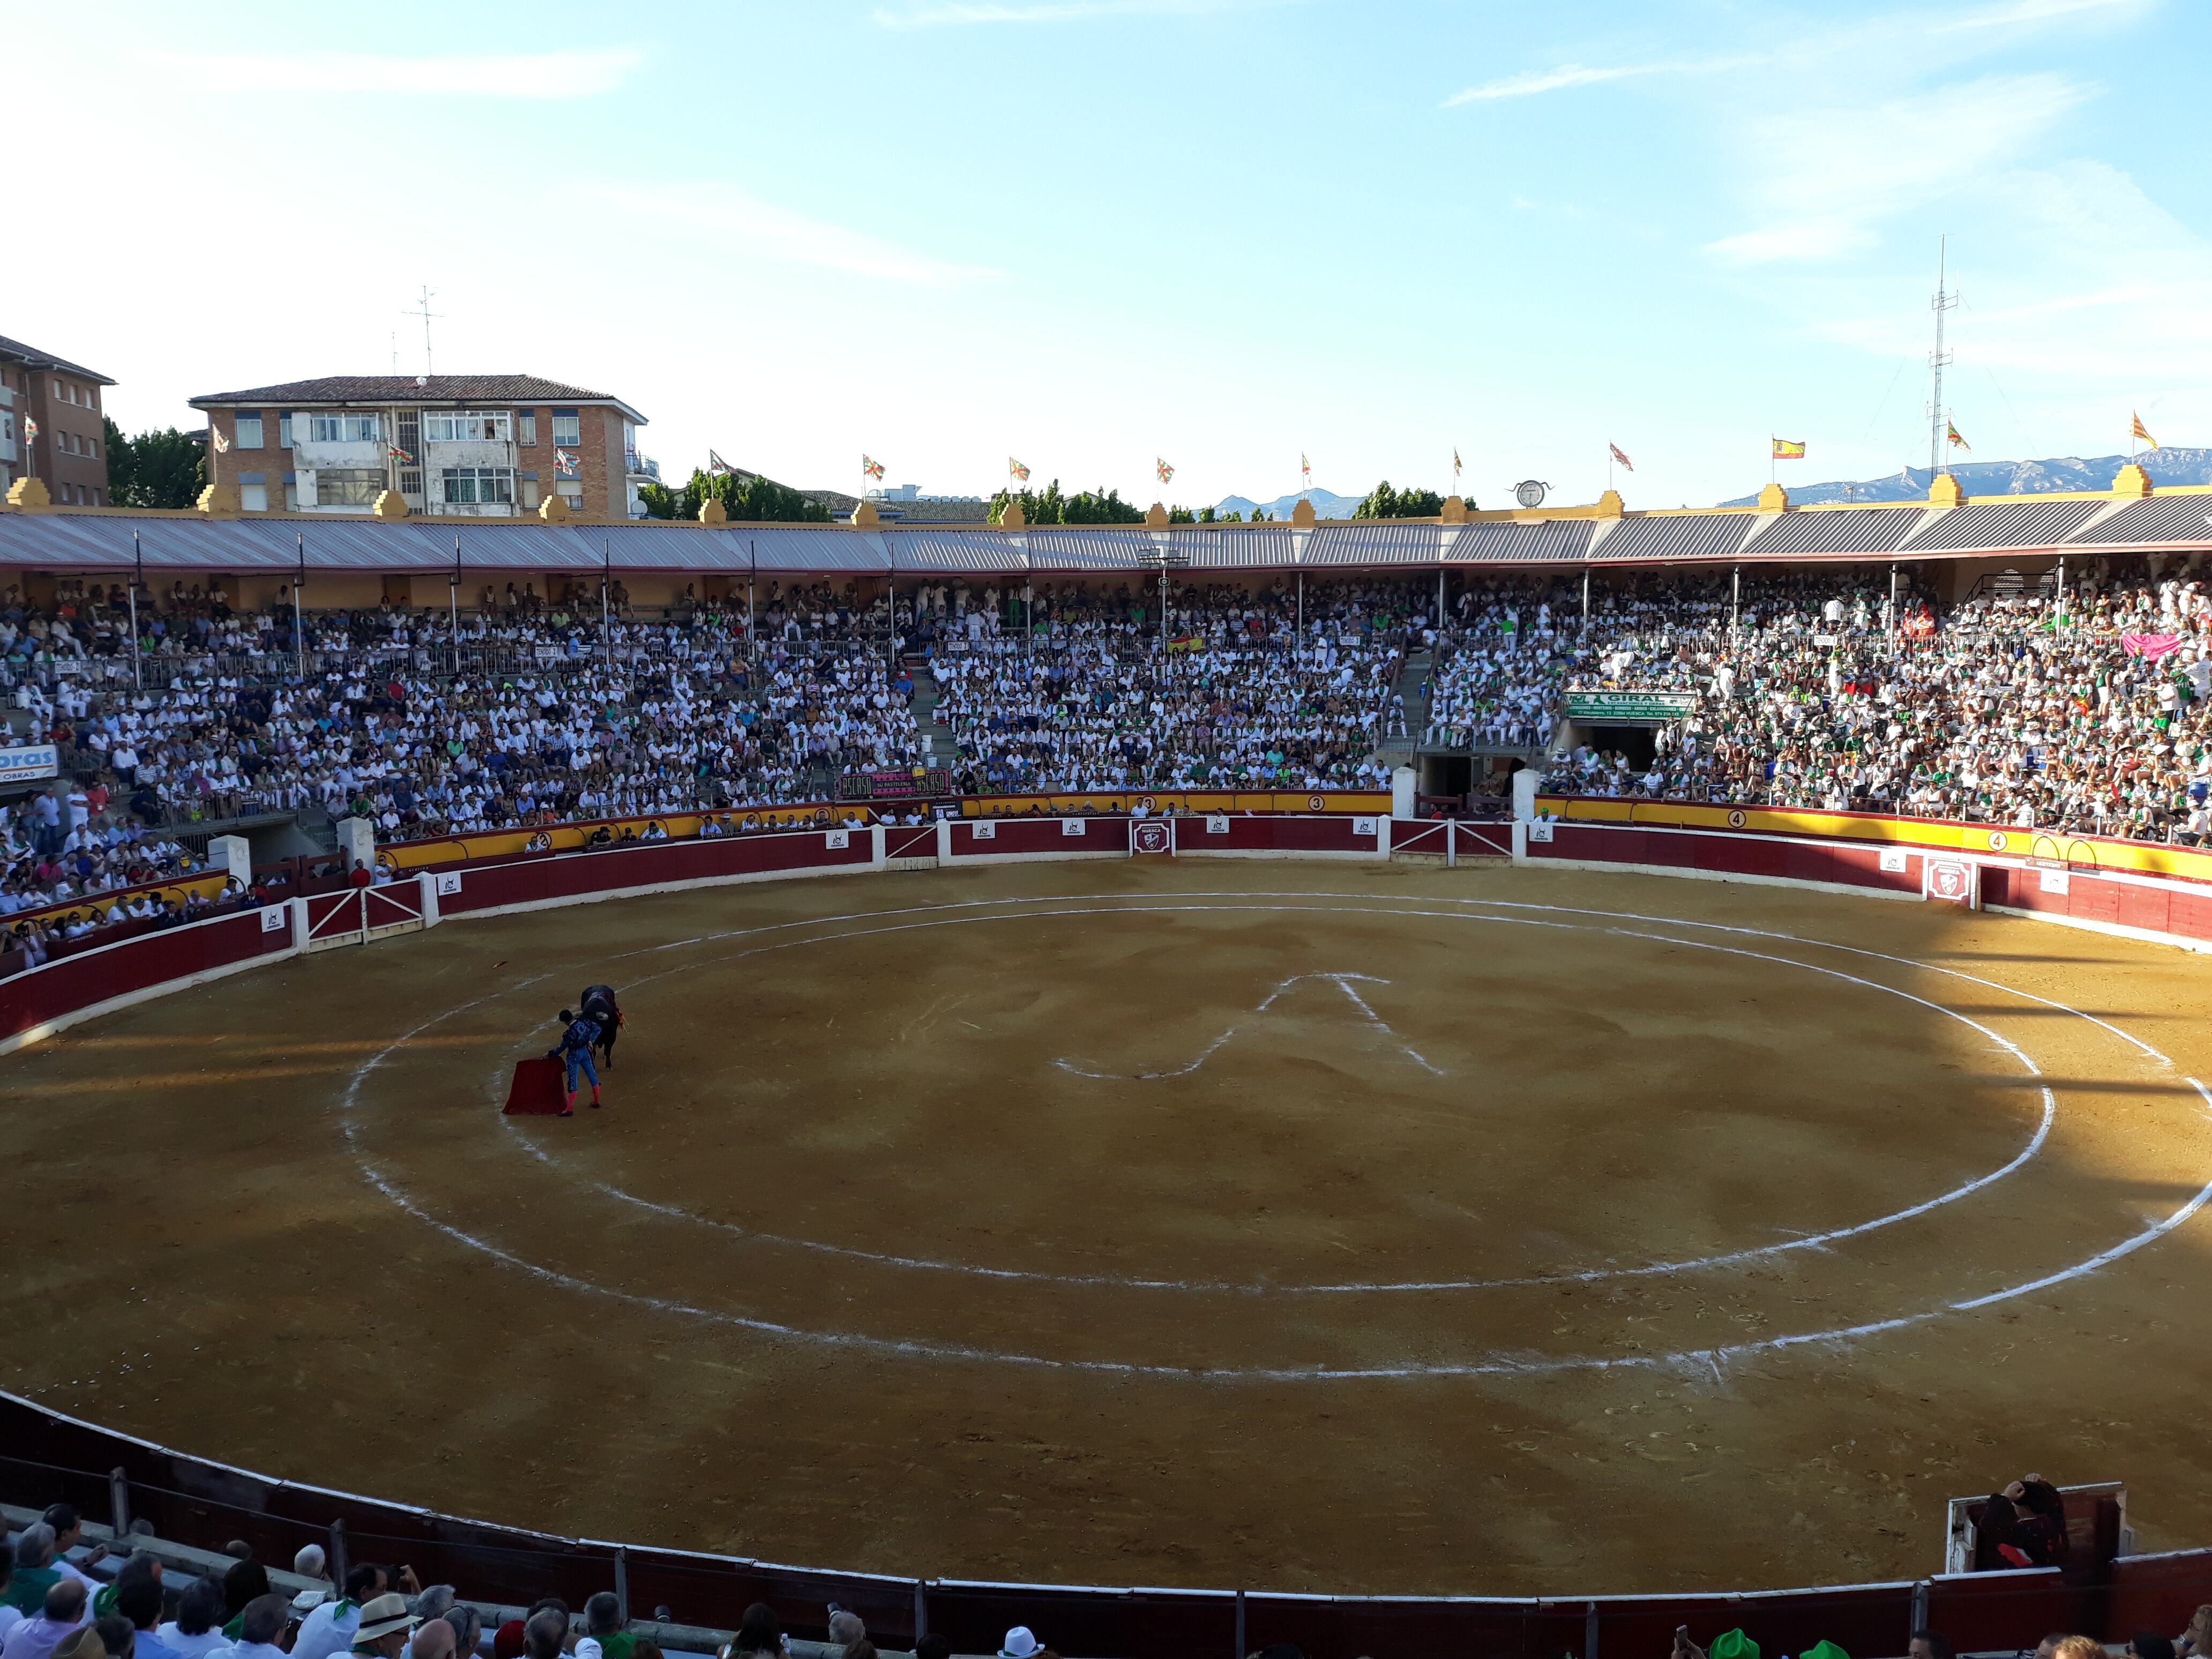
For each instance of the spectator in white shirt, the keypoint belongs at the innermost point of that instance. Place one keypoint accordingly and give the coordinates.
(330, 1628)
(259, 1623)
(197, 1631)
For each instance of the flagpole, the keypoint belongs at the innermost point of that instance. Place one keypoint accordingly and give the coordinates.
(137, 575)
(455, 586)
(299, 625)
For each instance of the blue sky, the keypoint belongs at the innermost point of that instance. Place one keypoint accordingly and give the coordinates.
(1087, 233)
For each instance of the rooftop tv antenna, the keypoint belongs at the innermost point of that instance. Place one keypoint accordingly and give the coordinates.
(1945, 301)
(423, 310)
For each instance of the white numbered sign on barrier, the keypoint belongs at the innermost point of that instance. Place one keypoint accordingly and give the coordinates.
(1540, 829)
(1217, 823)
(1892, 859)
(986, 831)
(449, 883)
(1362, 826)
(273, 919)
(1072, 826)
(837, 839)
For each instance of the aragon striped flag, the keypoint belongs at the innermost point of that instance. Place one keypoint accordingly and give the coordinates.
(1626, 465)
(2141, 433)
(1789, 449)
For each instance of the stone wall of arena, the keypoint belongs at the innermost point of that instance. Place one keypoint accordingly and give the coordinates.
(2110, 886)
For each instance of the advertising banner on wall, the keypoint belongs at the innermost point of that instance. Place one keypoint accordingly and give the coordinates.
(28, 763)
(1603, 706)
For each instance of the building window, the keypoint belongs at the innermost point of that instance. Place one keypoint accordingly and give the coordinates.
(344, 429)
(284, 431)
(525, 428)
(479, 486)
(571, 492)
(567, 427)
(348, 486)
(253, 498)
(248, 435)
(449, 425)
(410, 482)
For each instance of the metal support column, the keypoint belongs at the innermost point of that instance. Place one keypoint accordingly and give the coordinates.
(118, 1505)
(337, 1547)
(621, 1584)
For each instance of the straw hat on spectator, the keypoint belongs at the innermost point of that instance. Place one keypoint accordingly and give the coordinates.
(382, 1615)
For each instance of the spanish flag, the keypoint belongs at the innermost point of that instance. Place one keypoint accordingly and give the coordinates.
(2141, 433)
(1787, 450)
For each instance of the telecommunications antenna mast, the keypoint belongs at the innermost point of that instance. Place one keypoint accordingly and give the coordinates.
(1945, 301)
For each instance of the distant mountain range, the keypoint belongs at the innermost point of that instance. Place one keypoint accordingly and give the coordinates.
(1325, 505)
(2065, 473)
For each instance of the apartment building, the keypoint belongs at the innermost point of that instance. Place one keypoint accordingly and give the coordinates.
(460, 446)
(50, 425)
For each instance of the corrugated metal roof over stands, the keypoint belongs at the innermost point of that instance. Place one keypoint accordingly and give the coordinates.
(2178, 518)
(1821, 535)
(93, 542)
(1694, 536)
(2002, 525)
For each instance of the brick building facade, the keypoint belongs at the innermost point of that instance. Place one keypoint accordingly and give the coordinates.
(50, 425)
(457, 446)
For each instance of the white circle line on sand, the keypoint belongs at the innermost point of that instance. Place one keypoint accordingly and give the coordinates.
(1695, 1359)
(1385, 899)
(1733, 1258)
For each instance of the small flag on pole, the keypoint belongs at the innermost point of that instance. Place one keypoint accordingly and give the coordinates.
(1951, 433)
(1162, 469)
(2141, 433)
(564, 464)
(872, 467)
(717, 467)
(1455, 465)
(1786, 449)
(1305, 468)
(1016, 470)
(397, 453)
(1629, 466)
(221, 443)
(31, 430)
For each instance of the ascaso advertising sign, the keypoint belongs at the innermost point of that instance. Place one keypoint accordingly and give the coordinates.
(29, 763)
(1629, 705)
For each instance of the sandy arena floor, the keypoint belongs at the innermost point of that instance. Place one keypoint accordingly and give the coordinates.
(1296, 1226)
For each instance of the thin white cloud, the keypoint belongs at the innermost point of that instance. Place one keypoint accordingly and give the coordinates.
(1530, 82)
(571, 73)
(1828, 176)
(745, 222)
(966, 13)
(2030, 11)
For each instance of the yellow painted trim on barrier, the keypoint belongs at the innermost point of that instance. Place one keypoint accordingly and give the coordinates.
(569, 837)
(207, 886)
(2103, 852)
(1363, 802)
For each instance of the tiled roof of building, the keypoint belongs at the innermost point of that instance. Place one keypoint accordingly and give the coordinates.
(408, 388)
(31, 357)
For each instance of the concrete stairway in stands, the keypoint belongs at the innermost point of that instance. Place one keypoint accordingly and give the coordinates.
(942, 750)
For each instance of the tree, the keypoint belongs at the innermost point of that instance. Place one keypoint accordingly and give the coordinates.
(1384, 502)
(155, 469)
(747, 498)
(1049, 505)
(1183, 515)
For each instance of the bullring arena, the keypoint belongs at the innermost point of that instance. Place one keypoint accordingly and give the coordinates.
(1335, 1224)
